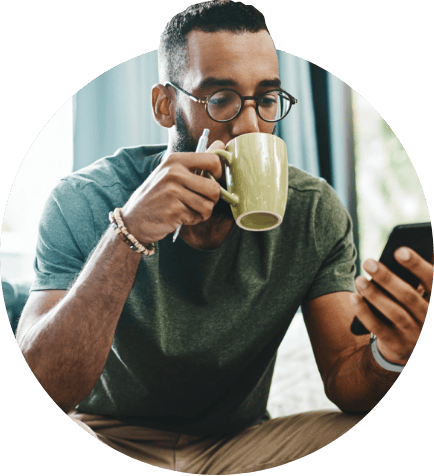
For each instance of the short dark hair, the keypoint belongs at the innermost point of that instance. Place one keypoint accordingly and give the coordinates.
(215, 15)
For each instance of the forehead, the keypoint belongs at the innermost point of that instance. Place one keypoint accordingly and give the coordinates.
(246, 58)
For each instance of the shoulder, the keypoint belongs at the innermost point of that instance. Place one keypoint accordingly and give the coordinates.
(126, 168)
(83, 199)
(314, 211)
(301, 181)
(306, 191)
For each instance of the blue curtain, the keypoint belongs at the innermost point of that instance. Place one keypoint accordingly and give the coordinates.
(318, 131)
(114, 111)
(298, 128)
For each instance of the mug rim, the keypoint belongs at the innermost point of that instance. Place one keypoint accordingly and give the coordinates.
(268, 212)
(255, 133)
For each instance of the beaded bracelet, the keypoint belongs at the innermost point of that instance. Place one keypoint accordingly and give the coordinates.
(115, 218)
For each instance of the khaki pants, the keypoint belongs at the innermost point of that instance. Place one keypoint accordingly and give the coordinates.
(271, 444)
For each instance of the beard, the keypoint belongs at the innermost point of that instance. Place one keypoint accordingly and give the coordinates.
(185, 142)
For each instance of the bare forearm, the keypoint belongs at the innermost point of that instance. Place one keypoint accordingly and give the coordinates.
(68, 347)
(357, 383)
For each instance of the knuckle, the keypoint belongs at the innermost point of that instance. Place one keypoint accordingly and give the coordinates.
(174, 215)
(171, 189)
(406, 326)
(195, 219)
(173, 172)
(187, 219)
(208, 208)
(215, 192)
(411, 298)
(172, 159)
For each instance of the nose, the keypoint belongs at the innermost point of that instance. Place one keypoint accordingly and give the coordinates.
(247, 121)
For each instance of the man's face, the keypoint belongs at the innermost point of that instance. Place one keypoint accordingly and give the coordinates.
(246, 62)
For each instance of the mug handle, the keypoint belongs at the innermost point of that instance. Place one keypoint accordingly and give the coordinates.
(227, 197)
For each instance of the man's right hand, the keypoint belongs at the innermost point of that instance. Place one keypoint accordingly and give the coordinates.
(174, 195)
(66, 337)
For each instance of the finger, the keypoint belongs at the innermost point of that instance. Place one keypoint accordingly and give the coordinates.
(186, 217)
(202, 186)
(392, 310)
(218, 144)
(405, 295)
(192, 202)
(395, 346)
(197, 161)
(421, 290)
(416, 265)
(365, 315)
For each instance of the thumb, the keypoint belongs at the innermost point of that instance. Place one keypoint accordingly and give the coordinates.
(218, 144)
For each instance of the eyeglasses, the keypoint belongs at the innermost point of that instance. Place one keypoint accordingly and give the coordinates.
(226, 104)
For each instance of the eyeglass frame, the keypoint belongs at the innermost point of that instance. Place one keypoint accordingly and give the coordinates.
(205, 101)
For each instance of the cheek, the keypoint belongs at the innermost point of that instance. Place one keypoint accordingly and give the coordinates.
(267, 127)
(187, 110)
(195, 117)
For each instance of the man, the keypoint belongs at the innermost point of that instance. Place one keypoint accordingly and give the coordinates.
(168, 357)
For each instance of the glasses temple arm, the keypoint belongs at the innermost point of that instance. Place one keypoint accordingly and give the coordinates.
(174, 86)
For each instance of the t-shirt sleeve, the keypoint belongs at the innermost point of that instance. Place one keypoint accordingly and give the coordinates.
(335, 249)
(66, 237)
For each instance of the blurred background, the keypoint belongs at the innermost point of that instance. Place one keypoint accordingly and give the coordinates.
(332, 132)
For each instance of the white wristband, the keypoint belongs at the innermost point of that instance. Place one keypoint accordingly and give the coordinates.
(381, 361)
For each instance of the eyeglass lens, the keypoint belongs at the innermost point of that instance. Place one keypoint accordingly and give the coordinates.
(224, 105)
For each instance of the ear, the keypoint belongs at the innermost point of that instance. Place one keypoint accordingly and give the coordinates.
(164, 105)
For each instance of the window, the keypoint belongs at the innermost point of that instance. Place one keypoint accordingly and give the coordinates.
(47, 161)
(388, 189)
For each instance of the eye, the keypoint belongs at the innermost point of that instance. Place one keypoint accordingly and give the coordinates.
(221, 99)
(268, 100)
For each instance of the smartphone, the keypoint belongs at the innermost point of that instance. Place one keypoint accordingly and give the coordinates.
(417, 236)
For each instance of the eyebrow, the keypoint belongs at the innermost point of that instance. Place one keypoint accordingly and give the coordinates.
(270, 83)
(212, 82)
(221, 82)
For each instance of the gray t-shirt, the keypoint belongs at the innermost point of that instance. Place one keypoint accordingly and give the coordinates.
(195, 346)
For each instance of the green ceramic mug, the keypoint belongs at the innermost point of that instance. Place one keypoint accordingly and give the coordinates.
(257, 180)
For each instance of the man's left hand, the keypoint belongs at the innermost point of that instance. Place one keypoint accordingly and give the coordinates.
(406, 311)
